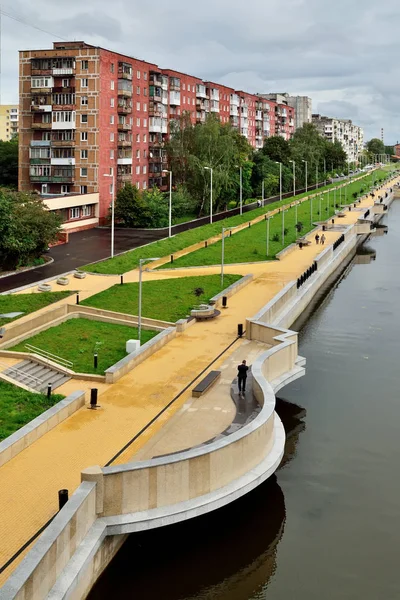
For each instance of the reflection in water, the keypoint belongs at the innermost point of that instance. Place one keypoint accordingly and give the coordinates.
(229, 554)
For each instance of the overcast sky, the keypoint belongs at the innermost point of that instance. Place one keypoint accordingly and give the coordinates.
(343, 54)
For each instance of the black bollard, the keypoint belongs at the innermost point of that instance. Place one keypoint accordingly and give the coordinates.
(95, 361)
(49, 391)
(240, 330)
(249, 224)
(205, 244)
(122, 280)
(62, 498)
(172, 258)
(93, 398)
(77, 298)
(224, 301)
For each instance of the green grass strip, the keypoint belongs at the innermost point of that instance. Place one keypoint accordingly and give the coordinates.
(28, 303)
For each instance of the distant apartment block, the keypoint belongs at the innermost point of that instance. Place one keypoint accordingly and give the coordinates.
(8, 121)
(88, 113)
(343, 130)
(302, 106)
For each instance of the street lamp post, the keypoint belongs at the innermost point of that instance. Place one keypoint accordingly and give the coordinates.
(283, 228)
(142, 261)
(325, 171)
(211, 192)
(241, 189)
(170, 203)
(311, 210)
(306, 163)
(268, 220)
(316, 176)
(223, 256)
(112, 208)
(294, 178)
(280, 180)
(262, 192)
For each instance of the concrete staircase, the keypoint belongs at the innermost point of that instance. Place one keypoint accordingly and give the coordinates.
(36, 375)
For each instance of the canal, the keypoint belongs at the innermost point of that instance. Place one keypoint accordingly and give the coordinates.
(328, 525)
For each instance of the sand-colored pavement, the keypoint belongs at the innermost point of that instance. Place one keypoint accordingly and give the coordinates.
(29, 483)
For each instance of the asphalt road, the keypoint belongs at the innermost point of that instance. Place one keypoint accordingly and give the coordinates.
(83, 248)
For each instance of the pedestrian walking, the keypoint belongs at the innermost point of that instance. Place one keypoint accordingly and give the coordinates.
(317, 238)
(323, 238)
(242, 376)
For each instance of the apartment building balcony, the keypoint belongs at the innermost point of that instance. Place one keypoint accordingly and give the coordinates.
(63, 162)
(155, 94)
(125, 160)
(235, 101)
(124, 176)
(234, 121)
(62, 72)
(125, 75)
(214, 106)
(234, 110)
(124, 109)
(40, 161)
(259, 115)
(175, 98)
(259, 144)
(200, 117)
(201, 91)
(156, 79)
(124, 126)
(124, 143)
(62, 143)
(58, 89)
(40, 143)
(174, 84)
(244, 111)
(244, 131)
(41, 108)
(41, 125)
(214, 95)
(125, 93)
(52, 178)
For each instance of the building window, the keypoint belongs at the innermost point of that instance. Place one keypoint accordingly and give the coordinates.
(74, 213)
(112, 67)
(138, 184)
(145, 107)
(84, 118)
(138, 122)
(86, 211)
(111, 119)
(65, 83)
(84, 82)
(138, 138)
(65, 189)
(138, 74)
(145, 137)
(41, 82)
(138, 91)
(145, 91)
(84, 100)
(45, 188)
(84, 172)
(144, 170)
(144, 185)
(184, 86)
(111, 154)
(84, 154)
(111, 137)
(144, 153)
(83, 189)
(138, 154)
(138, 170)
(84, 136)
(112, 102)
(85, 65)
(144, 122)
(112, 85)
(137, 105)
(145, 76)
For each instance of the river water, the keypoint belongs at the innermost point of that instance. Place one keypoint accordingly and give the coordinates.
(328, 525)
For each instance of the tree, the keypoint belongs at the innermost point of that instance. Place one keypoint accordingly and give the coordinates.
(277, 149)
(389, 150)
(9, 163)
(26, 228)
(130, 207)
(375, 146)
(191, 148)
(335, 157)
(156, 207)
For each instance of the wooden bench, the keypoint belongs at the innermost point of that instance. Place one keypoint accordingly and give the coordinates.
(204, 385)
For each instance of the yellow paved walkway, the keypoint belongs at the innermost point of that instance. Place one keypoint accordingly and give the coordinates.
(29, 483)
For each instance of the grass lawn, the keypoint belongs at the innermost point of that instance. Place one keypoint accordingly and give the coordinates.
(250, 245)
(76, 340)
(130, 260)
(28, 303)
(18, 407)
(167, 300)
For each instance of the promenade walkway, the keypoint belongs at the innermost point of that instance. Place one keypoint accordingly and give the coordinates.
(29, 483)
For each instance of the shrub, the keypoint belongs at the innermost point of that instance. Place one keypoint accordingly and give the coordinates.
(275, 237)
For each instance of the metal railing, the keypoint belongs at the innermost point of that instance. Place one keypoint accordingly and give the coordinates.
(63, 361)
(22, 374)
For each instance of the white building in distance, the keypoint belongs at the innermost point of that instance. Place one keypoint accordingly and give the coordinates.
(301, 104)
(344, 131)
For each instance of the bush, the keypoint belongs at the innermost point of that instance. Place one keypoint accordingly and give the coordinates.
(275, 237)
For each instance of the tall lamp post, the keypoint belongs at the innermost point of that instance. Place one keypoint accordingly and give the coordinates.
(268, 220)
(241, 188)
(142, 261)
(170, 203)
(262, 191)
(316, 175)
(211, 193)
(111, 175)
(306, 163)
(223, 256)
(283, 228)
(294, 178)
(324, 171)
(280, 180)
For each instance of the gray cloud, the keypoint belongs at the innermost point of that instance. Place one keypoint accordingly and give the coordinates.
(342, 54)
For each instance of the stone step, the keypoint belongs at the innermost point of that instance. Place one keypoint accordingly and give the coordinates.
(37, 376)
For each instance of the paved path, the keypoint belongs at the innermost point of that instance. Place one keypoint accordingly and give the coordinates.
(29, 483)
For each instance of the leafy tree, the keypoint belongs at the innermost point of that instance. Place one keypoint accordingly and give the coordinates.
(277, 149)
(335, 157)
(26, 228)
(130, 207)
(9, 163)
(375, 146)
(389, 150)
(157, 208)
